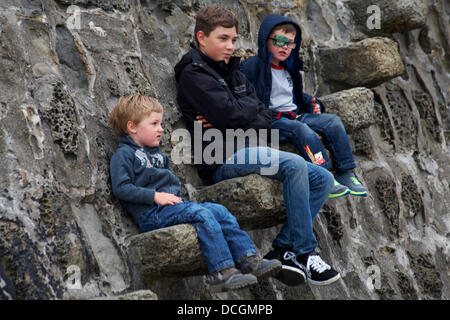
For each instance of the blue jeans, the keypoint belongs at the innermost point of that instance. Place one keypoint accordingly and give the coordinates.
(302, 133)
(306, 187)
(221, 240)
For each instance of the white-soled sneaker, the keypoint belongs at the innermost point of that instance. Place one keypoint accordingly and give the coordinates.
(318, 272)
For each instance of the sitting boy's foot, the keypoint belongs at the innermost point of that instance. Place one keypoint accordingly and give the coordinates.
(317, 271)
(261, 268)
(348, 179)
(229, 279)
(291, 273)
(338, 190)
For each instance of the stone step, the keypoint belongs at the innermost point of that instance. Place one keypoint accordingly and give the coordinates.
(255, 201)
(366, 63)
(355, 107)
(174, 252)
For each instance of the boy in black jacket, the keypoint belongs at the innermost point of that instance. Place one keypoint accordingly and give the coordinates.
(211, 89)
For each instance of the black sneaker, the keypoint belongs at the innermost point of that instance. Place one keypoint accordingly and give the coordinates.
(229, 279)
(318, 272)
(292, 272)
(260, 268)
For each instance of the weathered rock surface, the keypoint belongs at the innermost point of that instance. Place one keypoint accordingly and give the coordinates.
(63, 65)
(165, 253)
(367, 63)
(394, 16)
(255, 201)
(355, 107)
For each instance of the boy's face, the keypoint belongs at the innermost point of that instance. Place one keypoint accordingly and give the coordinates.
(281, 49)
(220, 43)
(148, 132)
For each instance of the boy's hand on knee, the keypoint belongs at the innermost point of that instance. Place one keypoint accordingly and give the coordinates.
(205, 122)
(164, 199)
(316, 106)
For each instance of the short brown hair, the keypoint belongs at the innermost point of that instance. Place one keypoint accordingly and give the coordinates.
(209, 18)
(286, 27)
(132, 108)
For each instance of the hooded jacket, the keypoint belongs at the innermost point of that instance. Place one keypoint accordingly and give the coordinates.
(221, 94)
(258, 70)
(137, 173)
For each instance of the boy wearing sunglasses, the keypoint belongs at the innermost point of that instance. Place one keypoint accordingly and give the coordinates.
(275, 74)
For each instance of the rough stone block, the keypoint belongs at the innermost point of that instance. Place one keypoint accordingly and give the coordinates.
(175, 252)
(166, 253)
(366, 63)
(255, 201)
(355, 107)
(395, 16)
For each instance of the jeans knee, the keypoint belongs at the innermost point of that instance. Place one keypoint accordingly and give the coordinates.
(335, 122)
(208, 222)
(294, 164)
(219, 212)
(302, 130)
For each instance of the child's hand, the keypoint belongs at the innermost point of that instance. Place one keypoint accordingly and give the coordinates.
(316, 106)
(164, 198)
(201, 119)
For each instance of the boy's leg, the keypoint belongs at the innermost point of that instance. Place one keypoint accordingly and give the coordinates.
(209, 232)
(239, 242)
(330, 127)
(305, 139)
(294, 172)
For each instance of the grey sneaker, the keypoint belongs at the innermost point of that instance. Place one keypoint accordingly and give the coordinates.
(348, 179)
(261, 268)
(229, 279)
(338, 190)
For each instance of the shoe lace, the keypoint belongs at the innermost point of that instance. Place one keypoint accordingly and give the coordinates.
(316, 263)
(289, 255)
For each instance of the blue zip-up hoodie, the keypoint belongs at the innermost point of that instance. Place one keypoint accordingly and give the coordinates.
(137, 173)
(257, 69)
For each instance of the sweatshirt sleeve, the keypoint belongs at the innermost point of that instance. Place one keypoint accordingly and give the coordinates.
(212, 99)
(122, 178)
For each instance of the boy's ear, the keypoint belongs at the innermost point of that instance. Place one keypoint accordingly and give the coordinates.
(201, 37)
(131, 127)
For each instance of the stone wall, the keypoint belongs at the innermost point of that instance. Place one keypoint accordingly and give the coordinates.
(65, 62)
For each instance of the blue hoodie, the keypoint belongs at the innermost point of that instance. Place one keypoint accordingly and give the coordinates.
(257, 69)
(137, 173)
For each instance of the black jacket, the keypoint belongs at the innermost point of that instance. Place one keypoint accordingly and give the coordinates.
(222, 94)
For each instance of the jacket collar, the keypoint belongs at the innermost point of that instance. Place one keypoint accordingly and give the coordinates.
(127, 140)
(221, 67)
(198, 57)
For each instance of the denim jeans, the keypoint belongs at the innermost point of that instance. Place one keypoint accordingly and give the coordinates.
(221, 240)
(306, 187)
(302, 133)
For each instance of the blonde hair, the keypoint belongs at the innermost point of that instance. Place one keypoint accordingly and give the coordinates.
(132, 108)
